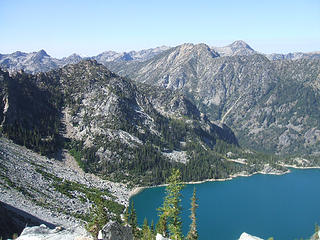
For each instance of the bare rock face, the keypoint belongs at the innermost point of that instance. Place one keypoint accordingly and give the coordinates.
(271, 105)
(246, 236)
(315, 236)
(236, 48)
(115, 231)
(41, 62)
(42, 232)
(160, 237)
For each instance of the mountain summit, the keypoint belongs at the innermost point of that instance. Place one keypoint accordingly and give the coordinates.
(236, 48)
(253, 95)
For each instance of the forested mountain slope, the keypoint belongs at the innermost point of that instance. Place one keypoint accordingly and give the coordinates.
(114, 127)
(271, 105)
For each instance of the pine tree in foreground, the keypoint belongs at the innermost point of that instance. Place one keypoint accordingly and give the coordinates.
(193, 233)
(170, 211)
(126, 216)
(152, 227)
(133, 221)
(146, 231)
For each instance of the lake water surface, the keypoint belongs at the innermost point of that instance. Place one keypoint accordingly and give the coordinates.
(285, 207)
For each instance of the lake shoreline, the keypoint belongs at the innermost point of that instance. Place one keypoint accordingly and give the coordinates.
(137, 190)
(263, 198)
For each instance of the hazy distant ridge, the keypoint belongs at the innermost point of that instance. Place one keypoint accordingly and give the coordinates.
(42, 62)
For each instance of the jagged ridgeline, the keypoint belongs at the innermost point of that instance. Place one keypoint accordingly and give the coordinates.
(114, 127)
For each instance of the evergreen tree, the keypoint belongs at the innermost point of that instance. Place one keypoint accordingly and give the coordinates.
(152, 227)
(162, 227)
(133, 221)
(171, 208)
(146, 232)
(126, 216)
(193, 233)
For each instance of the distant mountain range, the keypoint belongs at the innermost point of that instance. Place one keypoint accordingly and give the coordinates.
(42, 62)
(157, 98)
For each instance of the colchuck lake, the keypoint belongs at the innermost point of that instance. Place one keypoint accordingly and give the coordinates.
(285, 207)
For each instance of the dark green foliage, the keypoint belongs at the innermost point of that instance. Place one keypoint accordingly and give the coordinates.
(147, 233)
(161, 226)
(83, 156)
(170, 211)
(193, 233)
(146, 164)
(33, 114)
(134, 221)
(152, 227)
(126, 216)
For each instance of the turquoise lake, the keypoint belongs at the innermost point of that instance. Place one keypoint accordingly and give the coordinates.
(285, 207)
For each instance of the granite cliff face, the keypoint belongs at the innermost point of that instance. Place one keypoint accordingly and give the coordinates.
(271, 105)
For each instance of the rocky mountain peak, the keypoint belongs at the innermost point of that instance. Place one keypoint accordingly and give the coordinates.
(240, 44)
(18, 54)
(188, 49)
(236, 48)
(126, 57)
(72, 59)
(42, 53)
(88, 66)
(40, 56)
(74, 55)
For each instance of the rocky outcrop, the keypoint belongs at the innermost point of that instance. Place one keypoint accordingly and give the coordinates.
(160, 237)
(315, 236)
(111, 231)
(42, 232)
(115, 231)
(246, 236)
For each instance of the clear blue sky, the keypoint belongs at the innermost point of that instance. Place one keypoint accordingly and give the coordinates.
(89, 27)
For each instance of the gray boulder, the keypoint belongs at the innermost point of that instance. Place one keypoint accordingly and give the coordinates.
(246, 236)
(115, 231)
(160, 237)
(43, 232)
